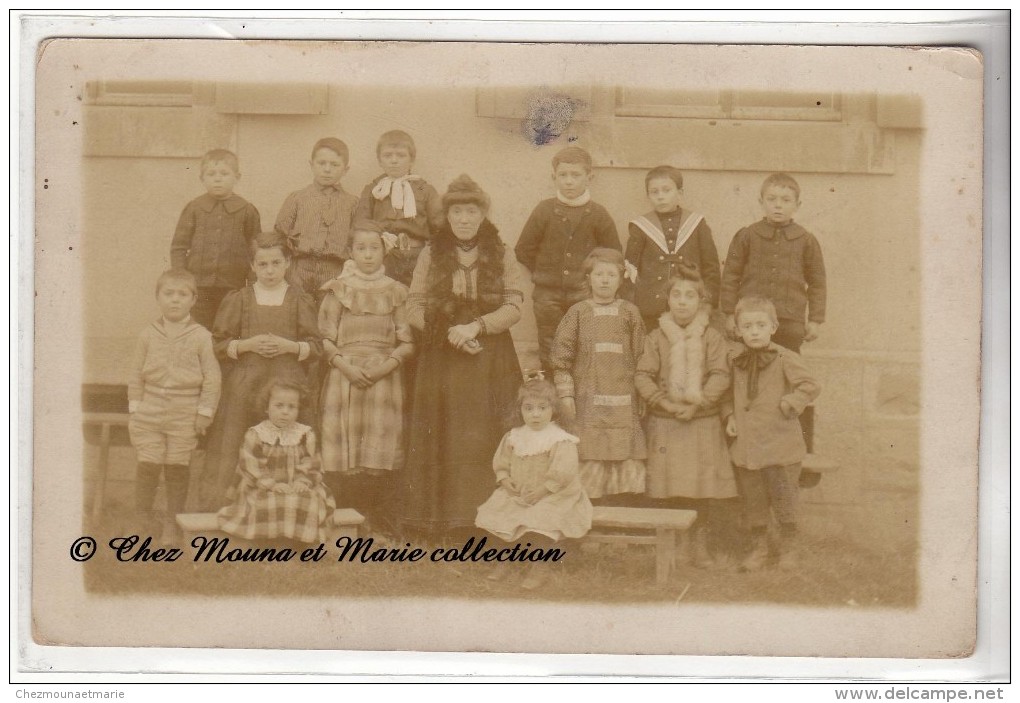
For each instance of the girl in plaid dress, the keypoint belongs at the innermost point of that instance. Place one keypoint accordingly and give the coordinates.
(280, 493)
(366, 339)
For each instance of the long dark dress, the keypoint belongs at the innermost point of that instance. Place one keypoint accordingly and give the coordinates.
(240, 317)
(462, 404)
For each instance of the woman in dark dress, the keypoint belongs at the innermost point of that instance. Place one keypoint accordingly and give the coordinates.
(465, 296)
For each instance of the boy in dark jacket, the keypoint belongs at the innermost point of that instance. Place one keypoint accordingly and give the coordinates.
(557, 238)
(777, 259)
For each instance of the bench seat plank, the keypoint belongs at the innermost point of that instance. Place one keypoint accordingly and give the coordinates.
(92, 418)
(643, 518)
(668, 525)
(206, 523)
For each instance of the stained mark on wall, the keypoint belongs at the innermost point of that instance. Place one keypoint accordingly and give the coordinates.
(549, 116)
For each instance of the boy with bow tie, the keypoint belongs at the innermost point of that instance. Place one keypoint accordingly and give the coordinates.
(771, 388)
(407, 207)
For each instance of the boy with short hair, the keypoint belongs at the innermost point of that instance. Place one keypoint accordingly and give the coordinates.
(173, 392)
(407, 207)
(213, 234)
(665, 239)
(778, 259)
(317, 219)
(771, 388)
(558, 236)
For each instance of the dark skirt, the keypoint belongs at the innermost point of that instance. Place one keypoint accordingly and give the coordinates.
(237, 412)
(462, 405)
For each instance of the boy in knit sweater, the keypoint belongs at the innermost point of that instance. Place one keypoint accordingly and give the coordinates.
(173, 392)
(557, 238)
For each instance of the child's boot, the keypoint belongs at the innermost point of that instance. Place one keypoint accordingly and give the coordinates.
(789, 553)
(146, 483)
(701, 557)
(759, 554)
(177, 476)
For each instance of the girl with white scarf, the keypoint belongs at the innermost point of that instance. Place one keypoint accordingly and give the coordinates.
(682, 376)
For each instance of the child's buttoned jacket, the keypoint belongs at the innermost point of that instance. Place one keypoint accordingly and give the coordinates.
(554, 249)
(766, 437)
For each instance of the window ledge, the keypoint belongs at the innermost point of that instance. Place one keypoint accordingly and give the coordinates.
(759, 145)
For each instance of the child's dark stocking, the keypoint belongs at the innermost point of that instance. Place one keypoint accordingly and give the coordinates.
(366, 500)
(385, 500)
(788, 551)
(701, 556)
(146, 483)
(759, 554)
(177, 476)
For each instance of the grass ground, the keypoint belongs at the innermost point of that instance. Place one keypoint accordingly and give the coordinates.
(869, 561)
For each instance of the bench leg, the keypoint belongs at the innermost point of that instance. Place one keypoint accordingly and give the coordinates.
(352, 531)
(104, 469)
(665, 554)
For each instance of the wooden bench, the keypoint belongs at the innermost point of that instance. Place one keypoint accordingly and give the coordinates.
(347, 522)
(660, 527)
(105, 421)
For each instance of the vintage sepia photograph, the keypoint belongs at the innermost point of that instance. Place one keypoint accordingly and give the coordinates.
(506, 347)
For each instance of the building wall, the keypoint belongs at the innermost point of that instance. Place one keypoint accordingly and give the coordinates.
(866, 218)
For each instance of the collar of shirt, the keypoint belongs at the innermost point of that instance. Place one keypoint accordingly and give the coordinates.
(672, 214)
(561, 209)
(328, 190)
(791, 230)
(580, 201)
(270, 296)
(232, 203)
(174, 329)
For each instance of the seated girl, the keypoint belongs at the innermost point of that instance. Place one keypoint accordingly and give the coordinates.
(539, 498)
(281, 493)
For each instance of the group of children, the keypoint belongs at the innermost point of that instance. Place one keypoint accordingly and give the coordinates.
(305, 330)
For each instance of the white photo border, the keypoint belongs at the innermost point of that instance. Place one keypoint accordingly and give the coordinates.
(992, 640)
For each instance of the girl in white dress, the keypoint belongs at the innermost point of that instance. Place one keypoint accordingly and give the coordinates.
(540, 498)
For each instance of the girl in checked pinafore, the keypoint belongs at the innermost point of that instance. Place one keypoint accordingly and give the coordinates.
(594, 356)
(280, 492)
(366, 339)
